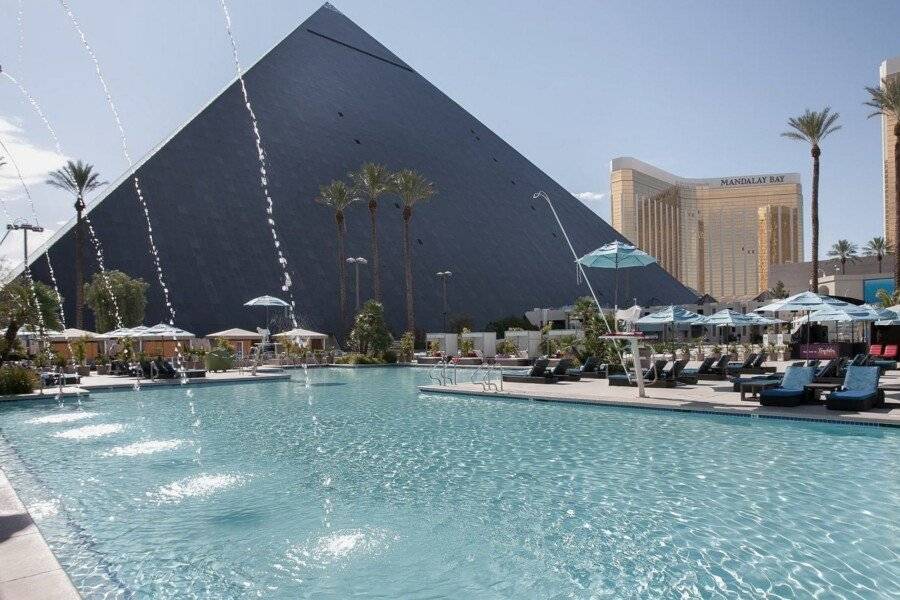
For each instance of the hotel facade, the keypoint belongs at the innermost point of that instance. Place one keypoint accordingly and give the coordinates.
(890, 69)
(718, 236)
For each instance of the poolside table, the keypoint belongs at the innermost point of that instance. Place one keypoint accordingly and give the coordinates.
(755, 386)
(818, 388)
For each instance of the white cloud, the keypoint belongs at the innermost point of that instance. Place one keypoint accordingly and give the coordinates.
(33, 161)
(590, 197)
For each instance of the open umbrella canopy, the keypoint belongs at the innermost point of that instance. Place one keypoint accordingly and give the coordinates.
(616, 255)
(759, 319)
(266, 301)
(164, 331)
(300, 333)
(124, 332)
(842, 314)
(803, 301)
(72, 333)
(629, 315)
(673, 315)
(235, 334)
(729, 318)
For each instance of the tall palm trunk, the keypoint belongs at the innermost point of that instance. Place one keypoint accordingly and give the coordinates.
(376, 260)
(407, 265)
(896, 204)
(342, 265)
(814, 214)
(79, 265)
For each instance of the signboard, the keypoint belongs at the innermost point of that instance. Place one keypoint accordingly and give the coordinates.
(819, 351)
(871, 287)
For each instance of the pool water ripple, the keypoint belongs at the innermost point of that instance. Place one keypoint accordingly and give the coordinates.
(357, 486)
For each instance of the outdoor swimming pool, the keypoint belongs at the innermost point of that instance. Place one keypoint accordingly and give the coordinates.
(359, 486)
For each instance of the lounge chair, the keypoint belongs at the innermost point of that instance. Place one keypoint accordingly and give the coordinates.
(859, 392)
(758, 366)
(739, 381)
(653, 377)
(734, 368)
(537, 374)
(890, 352)
(876, 350)
(717, 371)
(565, 372)
(829, 371)
(703, 368)
(792, 391)
(676, 373)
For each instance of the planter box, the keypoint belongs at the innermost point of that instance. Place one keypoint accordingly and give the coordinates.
(84, 371)
(102, 369)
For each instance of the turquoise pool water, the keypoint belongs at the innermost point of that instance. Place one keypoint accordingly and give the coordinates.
(357, 486)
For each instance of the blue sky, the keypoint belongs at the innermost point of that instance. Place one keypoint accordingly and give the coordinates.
(701, 89)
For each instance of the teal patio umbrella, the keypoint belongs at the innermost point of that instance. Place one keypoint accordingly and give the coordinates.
(804, 301)
(672, 315)
(616, 255)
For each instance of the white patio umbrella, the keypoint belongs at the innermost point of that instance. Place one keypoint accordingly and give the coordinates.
(268, 302)
(673, 315)
(629, 315)
(804, 301)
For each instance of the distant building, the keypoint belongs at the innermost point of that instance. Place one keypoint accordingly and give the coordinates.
(890, 69)
(718, 236)
(859, 278)
(329, 97)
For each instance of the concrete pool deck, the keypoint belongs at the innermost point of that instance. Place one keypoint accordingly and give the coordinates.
(706, 396)
(28, 568)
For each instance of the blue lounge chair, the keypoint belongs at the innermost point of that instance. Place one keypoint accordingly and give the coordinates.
(859, 392)
(564, 371)
(739, 381)
(653, 377)
(792, 391)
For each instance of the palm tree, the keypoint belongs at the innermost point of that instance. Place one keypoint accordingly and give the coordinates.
(878, 248)
(372, 181)
(78, 179)
(812, 127)
(885, 99)
(338, 195)
(412, 188)
(844, 250)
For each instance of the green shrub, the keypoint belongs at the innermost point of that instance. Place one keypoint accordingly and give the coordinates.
(17, 380)
(389, 356)
(355, 358)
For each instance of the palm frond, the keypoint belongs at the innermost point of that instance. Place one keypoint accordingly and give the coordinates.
(412, 187)
(885, 99)
(337, 194)
(813, 126)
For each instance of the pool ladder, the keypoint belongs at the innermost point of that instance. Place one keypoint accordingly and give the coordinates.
(442, 376)
(484, 376)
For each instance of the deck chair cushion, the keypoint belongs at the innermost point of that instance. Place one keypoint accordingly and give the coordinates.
(795, 378)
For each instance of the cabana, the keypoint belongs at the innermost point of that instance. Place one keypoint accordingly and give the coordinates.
(526, 341)
(61, 340)
(310, 339)
(484, 341)
(242, 339)
(159, 340)
(447, 343)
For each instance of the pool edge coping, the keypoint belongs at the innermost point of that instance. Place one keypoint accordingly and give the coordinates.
(50, 568)
(761, 412)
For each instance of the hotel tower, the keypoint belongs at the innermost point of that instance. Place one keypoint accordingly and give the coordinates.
(890, 69)
(718, 236)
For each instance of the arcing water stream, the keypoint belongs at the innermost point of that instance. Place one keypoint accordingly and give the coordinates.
(98, 248)
(263, 173)
(137, 184)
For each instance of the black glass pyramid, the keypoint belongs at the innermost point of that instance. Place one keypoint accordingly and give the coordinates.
(328, 98)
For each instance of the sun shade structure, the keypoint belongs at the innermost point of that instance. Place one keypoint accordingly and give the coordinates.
(302, 334)
(266, 301)
(235, 333)
(843, 314)
(673, 315)
(728, 318)
(807, 301)
(72, 333)
(616, 255)
(629, 315)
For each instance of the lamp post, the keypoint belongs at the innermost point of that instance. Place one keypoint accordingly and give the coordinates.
(25, 227)
(443, 276)
(359, 260)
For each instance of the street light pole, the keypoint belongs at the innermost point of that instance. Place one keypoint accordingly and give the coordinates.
(356, 262)
(444, 275)
(25, 227)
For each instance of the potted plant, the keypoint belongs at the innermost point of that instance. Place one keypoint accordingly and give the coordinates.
(103, 365)
(466, 345)
(79, 353)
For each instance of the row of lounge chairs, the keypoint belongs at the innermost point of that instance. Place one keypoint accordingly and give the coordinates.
(858, 391)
